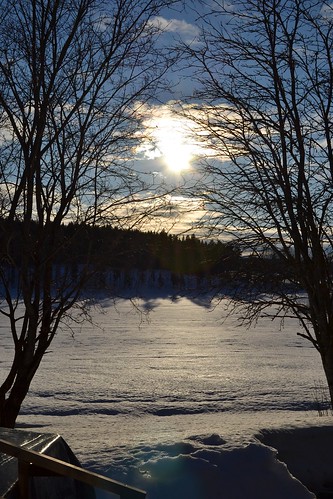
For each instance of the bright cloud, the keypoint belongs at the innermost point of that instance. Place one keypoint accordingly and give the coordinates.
(178, 26)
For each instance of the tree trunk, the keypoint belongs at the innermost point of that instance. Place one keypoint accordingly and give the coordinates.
(10, 408)
(10, 405)
(9, 411)
(327, 360)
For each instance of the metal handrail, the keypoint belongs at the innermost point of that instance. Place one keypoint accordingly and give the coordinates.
(31, 463)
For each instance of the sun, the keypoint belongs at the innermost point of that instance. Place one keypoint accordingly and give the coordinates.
(173, 142)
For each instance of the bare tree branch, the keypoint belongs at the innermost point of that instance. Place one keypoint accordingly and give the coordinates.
(264, 105)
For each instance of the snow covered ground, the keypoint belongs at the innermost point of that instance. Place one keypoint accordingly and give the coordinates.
(175, 402)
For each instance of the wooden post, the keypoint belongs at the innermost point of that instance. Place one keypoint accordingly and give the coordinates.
(23, 479)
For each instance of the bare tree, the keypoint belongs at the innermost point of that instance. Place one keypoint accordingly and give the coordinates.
(264, 106)
(74, 77)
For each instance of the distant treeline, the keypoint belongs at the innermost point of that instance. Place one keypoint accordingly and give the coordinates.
(108, 247)
(118, 257)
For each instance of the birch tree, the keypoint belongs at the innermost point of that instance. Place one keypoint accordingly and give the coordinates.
(264, 106)
(74, 77)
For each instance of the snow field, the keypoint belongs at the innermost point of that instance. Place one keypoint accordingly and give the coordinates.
(172, 402)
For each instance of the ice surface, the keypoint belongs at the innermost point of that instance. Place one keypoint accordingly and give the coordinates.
(173, 402)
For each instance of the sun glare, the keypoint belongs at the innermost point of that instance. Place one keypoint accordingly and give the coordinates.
(173, 143)
(175, 140)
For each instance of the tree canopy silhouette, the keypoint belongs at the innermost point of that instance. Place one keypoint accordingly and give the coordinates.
(74, 77)
(264, 106)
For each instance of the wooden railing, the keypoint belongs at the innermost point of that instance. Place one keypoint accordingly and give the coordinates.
(31, 463)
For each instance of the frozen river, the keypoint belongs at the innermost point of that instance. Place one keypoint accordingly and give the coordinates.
(131, 391)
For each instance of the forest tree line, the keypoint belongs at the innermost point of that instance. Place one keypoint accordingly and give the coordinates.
(105, 248)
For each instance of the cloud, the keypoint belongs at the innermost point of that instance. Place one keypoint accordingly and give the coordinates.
(177, 214)
(179, 26)
(174, 213)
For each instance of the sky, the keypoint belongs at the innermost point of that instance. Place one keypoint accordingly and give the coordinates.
(176, 145)
(174, 142)
(172, 146)
(173, 136)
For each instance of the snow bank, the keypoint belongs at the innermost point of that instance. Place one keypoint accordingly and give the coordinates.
(250, 472)
(307, 453)
(202, 468)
